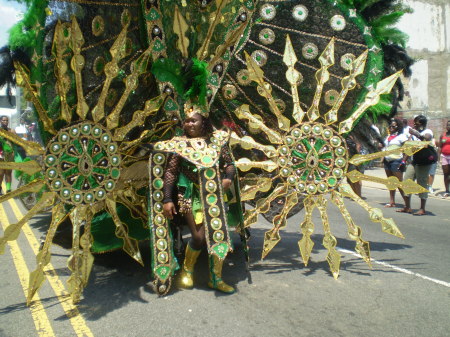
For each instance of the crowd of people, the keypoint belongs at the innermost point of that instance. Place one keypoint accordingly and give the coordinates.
(420, 167)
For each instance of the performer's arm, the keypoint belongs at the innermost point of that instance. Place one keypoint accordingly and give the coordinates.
(170, 178)
(230, 169)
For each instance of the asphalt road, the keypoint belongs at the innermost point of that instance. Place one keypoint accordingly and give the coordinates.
(405, 293)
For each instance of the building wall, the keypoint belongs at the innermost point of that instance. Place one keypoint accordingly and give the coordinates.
(428, 89)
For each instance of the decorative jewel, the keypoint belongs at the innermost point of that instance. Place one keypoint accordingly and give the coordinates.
(300, 13)
(229, 91)
(310, 51)
(125, 18)
(216, 223)
(330, 97)
(243, 77)
(260, 57)
(347, 61)
(98, 26)
(266, 36)
(337, 22)
(268, 12)
(218, 236)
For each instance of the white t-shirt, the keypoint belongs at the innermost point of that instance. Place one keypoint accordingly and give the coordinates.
(406, 131)
(395, 143)
(423, 133)
(21, 131)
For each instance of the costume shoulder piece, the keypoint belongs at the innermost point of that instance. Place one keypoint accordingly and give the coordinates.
(199, 151)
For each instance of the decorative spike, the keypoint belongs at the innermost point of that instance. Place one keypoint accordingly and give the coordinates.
(249, 143)
(272, 237)
(348, 83)
(77, 64)
(243, 112)
(293, 76)
(159, 129)
(60, 45)
(43, 257)
(31, 148)
(130, 245)
(180, 27)
(79, 262)
(245, 164)
(375, 214)
(86, 240)
(12, 231)
(263, 205)
(354, 232)
(326, 59)
(409, 148)
(203, 51)
(252, 184)
(23, 80)
(117, 52)
(372, 98)
(28, 167)
(265, 90)
(329, 241)
(305, 244)
(131, 82)
(34, 186)
(408, 186)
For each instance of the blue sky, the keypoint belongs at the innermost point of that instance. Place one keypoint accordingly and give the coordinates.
(9, 14)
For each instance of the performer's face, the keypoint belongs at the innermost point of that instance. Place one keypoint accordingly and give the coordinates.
(193, 125)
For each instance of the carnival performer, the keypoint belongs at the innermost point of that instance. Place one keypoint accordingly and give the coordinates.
(394, 165)
(7, 155)
(187, 193)
(444, 150)
(420, 166)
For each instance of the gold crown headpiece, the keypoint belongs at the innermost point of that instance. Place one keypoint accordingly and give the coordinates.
(192, 108)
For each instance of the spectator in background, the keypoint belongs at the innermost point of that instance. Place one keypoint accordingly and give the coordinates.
(394, 165)
(432, 170)
(444, 151)
(22, 131)
(419, 169)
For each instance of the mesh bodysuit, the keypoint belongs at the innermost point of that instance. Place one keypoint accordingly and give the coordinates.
(175, 165)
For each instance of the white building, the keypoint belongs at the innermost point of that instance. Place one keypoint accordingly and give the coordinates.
(428, 90)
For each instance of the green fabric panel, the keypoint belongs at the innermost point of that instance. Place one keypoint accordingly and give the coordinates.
(103, 230)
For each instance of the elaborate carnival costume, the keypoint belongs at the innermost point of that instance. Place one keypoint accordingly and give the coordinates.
(189, 172)
(97, 103)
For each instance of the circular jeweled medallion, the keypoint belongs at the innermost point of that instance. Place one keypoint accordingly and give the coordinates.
(82, 163)
(313, 160)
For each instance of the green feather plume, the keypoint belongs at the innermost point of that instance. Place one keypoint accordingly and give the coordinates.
(197, 78)
(168, 70)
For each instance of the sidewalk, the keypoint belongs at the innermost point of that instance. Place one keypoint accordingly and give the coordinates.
(438, 184)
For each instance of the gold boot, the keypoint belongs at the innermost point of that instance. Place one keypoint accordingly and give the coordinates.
(190, 258)
(215, 276)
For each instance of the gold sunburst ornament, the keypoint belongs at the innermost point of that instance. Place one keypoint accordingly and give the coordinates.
(311, 157)
(87, 167)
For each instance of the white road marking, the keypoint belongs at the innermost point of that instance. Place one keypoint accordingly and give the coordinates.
(401, 270)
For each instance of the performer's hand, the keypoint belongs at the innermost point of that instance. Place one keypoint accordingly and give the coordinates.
(169, 210)
(226, 183)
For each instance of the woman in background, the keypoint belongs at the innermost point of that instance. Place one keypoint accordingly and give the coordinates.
(394, 165)
(444, 151)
